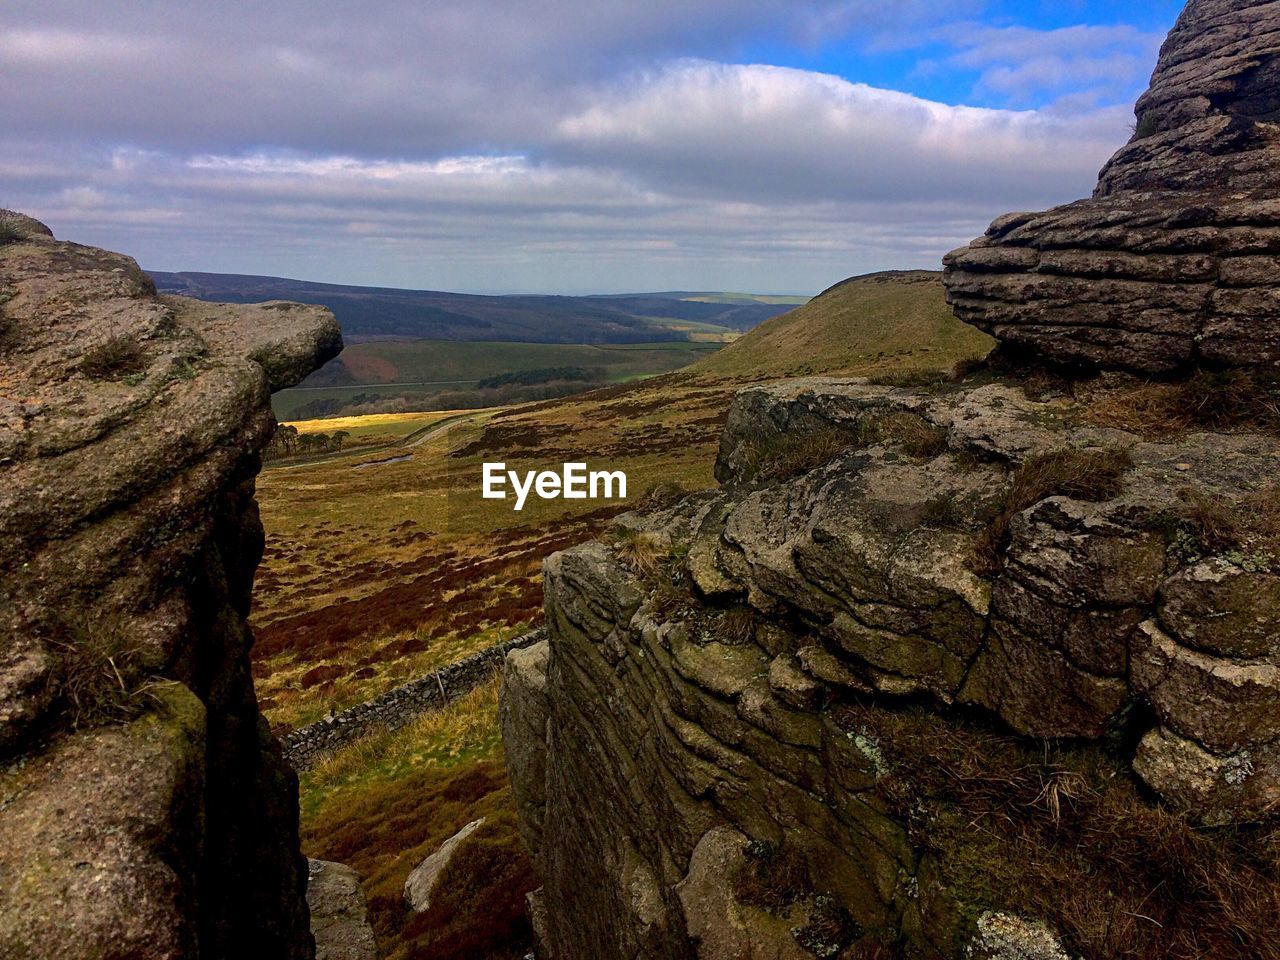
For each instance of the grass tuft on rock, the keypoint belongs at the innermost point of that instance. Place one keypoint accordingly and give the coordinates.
(770, 876)
(781, 457)
(105, 676)
(642, 551)
(1011, 825)
(116, 359)
(1079, 474)
(1224, 400)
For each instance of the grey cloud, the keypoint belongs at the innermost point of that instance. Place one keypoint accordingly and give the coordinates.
(492, 145)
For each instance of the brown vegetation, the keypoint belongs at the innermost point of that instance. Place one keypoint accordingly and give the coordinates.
(782, 457)
(105, 676)
(385, 829)
(115, 359)
(1080, 474)
(1012, 827)
(1244, 399)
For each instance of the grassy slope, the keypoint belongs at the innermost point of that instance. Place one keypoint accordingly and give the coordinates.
(372, 576)
(882, 323)
(442, 361)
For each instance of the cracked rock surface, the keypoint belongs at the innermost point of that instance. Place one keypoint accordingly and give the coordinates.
(655, 740)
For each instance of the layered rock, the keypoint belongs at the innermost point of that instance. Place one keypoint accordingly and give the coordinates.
(1175, 261)
(144, 807)
(825, 636)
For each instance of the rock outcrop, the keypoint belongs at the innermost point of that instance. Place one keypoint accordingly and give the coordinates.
(145, 811)
(339, 914)
(852, 661)
(1175, 261)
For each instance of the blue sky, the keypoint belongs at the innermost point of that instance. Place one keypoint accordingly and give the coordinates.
(559, 145)
(924, 61)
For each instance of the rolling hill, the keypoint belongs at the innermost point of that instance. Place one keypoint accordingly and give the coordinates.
(896, 322)
(366, 312)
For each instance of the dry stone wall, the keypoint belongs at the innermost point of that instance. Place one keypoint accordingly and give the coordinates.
(307, 746)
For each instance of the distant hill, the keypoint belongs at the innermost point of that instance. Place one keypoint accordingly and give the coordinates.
(883, 322)
(435, 315)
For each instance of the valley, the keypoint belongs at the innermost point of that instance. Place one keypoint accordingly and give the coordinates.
(375, 576)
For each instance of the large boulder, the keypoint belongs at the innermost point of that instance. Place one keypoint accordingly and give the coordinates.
(145, 810)
(929, 640)
(1175, 260)
(420, 887)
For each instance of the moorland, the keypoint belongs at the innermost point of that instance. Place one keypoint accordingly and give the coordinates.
(383, 563)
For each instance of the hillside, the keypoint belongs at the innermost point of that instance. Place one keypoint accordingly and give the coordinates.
(423, 374)
(436, 315)
(884, 322)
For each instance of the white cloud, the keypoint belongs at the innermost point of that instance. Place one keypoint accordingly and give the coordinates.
(778, 133)
(560, 144)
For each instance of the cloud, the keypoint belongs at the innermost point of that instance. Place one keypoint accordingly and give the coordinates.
(1021, 65)
(786, 135)
(549, 145)
(695, 174)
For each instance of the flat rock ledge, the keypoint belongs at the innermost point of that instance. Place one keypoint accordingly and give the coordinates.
(1175, 260)
(819, 634)
(145, 810)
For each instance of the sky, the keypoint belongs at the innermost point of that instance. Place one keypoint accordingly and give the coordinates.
(560, 146)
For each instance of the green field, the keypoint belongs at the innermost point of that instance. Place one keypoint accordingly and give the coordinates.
(396, 368)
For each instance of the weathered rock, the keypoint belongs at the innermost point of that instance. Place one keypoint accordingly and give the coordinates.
(664, 750)
(1004, 937)
(420, 887)
(130, 427)
(339, 914)
(522, 712)
(1216, 789)
(1172, 262)
(719, 927)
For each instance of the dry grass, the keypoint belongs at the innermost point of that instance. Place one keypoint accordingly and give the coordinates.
(737, 626)
(771, 877)
(1204, 524)
(915, 435)
(1062, 833)
(1080, 474)
(780, 457)
(643, 552)
(105, 676)
(661, 495)
(1218, 400)
(115, 359)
